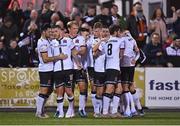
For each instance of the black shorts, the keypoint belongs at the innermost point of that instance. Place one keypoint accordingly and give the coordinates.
(63, 78)
(112, 76)
(127, 75)
(99, 79)
(119, 77)
(91, 73)
(46, 79)
(79, 76)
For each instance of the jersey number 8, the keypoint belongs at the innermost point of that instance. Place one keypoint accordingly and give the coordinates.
(109, 52)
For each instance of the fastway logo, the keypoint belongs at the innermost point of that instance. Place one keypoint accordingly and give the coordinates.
(168, 86)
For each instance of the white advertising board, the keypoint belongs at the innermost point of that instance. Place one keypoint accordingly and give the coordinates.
(162, 87)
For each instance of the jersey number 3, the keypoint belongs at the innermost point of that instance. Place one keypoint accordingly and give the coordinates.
(109, 51)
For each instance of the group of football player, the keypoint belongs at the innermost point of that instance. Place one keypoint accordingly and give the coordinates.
(103, 57)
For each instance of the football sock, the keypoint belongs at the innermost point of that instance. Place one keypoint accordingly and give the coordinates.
(116, 99)
(136, 100)
(131, 103)
(127, 108)
(60, 104)
(82, 101)
(106, 103)
(40, 102)
(93, 94)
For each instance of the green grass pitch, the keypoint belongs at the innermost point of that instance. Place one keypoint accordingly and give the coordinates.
(28, 118)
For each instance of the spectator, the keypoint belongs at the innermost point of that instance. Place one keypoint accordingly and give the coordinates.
(74, 12)
(14, 54)
(136, 24)
(3, 55)
(60, 24)
(32, 30)
(4, 6)
(17, 14)
(53, 8)
(154, 52)
(89, 17)
(116, 18)
(8, 31)
(104, 17)
(158, 23)
(45, 13)
(28, 56)
(176, 25)
(172, 53)
(77, 18)
(27, 12)
(31, 26)
(54, 18)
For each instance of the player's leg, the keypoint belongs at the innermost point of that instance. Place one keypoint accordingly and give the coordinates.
(122, 104)
(93, 87)
(132, 90)
(45, 84)
(116, 100)
(125, 86)
(99, 82)
(70, 95)
(81, 81)
(50, 90)
(59, 84)
(136, 99)
(112, 77)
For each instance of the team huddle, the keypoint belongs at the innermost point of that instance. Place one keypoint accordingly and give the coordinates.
(103, 57)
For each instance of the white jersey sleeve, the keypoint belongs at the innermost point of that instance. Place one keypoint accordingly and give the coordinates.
(44, 46)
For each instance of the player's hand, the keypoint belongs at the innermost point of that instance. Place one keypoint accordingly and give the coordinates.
(79, 66)
(63, 56)
(133, 62)
(104, 39)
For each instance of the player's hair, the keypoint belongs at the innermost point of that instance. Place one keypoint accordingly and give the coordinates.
(105, 26)
(69, 24)
(97, 25)
(114, 28)
(137, 3)
(114, 5)
(12, 40)
(154, 33)
(55, 26)
(103, 6)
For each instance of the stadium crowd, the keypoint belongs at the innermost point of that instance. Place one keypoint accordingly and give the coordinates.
(20, 31)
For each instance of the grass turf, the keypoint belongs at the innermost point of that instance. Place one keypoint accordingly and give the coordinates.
(28, 118)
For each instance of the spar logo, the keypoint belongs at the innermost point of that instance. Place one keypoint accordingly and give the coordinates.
(167, 86)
